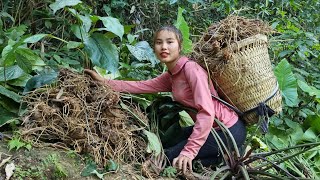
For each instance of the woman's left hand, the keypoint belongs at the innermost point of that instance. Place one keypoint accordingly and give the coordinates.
(183, 162)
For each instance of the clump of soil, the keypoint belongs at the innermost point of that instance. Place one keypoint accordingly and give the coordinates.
(80, 114)
(213, 50)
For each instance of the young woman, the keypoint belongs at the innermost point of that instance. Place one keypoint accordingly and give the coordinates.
(188, 83)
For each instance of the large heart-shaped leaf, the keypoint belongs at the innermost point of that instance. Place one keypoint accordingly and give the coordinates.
(59, 4)
(113, 25)
(143, 51)
(102, 52)
(287, 82)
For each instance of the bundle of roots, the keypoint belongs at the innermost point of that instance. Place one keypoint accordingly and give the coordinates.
(213, 50)
(80, 114)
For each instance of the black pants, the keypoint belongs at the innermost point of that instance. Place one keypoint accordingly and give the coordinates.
(209, 153)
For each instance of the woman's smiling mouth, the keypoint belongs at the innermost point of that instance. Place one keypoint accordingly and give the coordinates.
(164, 54)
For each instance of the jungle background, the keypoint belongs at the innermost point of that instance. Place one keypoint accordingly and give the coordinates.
(39, 38)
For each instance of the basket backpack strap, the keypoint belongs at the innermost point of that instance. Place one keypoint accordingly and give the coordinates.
(264, 111)
(240, 113)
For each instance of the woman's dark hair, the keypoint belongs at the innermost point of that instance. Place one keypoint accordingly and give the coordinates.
(169, 28)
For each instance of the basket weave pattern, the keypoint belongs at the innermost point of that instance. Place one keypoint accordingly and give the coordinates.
(247, 79)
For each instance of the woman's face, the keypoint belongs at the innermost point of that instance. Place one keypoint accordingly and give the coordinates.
(167, 47)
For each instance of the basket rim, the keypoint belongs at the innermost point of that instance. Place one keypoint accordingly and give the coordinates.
(250, 40)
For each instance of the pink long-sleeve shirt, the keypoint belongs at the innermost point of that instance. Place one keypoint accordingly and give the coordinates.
(189, 85)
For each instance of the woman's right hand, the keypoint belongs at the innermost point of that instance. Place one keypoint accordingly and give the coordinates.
(95, 76)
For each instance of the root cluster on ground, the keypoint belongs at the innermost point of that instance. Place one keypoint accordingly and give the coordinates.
(80, 114)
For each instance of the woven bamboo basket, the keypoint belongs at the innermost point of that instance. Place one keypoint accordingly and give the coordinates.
(247, 79)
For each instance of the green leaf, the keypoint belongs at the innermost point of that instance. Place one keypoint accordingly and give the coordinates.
(80, 32)
(40, 80)
(59, 4)
(9, 73)
(113, 25)
(296, 132)
(73, 44)
(278, 142)
(312, 91)
(26, 58)
(9, 105)
(35, 38)
(153, 143)
(90, 169)
(111, 166)
(6, 116)
(86, 22)
(143, 51)
(10, 94)
(312, 121)
(99, 175)
(309, 135)
(130, 38)
(70, 61)
(284, 53)
(5, 14)
(287, 82)
(28, 146)
(173, 1)
(186, 120)
(7, 54)
(87, 171)
(182, 25)
(15, 143)
(102, 52)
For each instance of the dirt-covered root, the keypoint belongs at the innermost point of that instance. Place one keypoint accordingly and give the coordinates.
(213, 50)
(81, 114)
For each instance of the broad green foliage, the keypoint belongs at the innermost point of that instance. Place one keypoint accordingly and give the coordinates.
(287, 83)
(113, 25)
(184, 28)
(102, 52)
(59, 4)
(143, 51)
